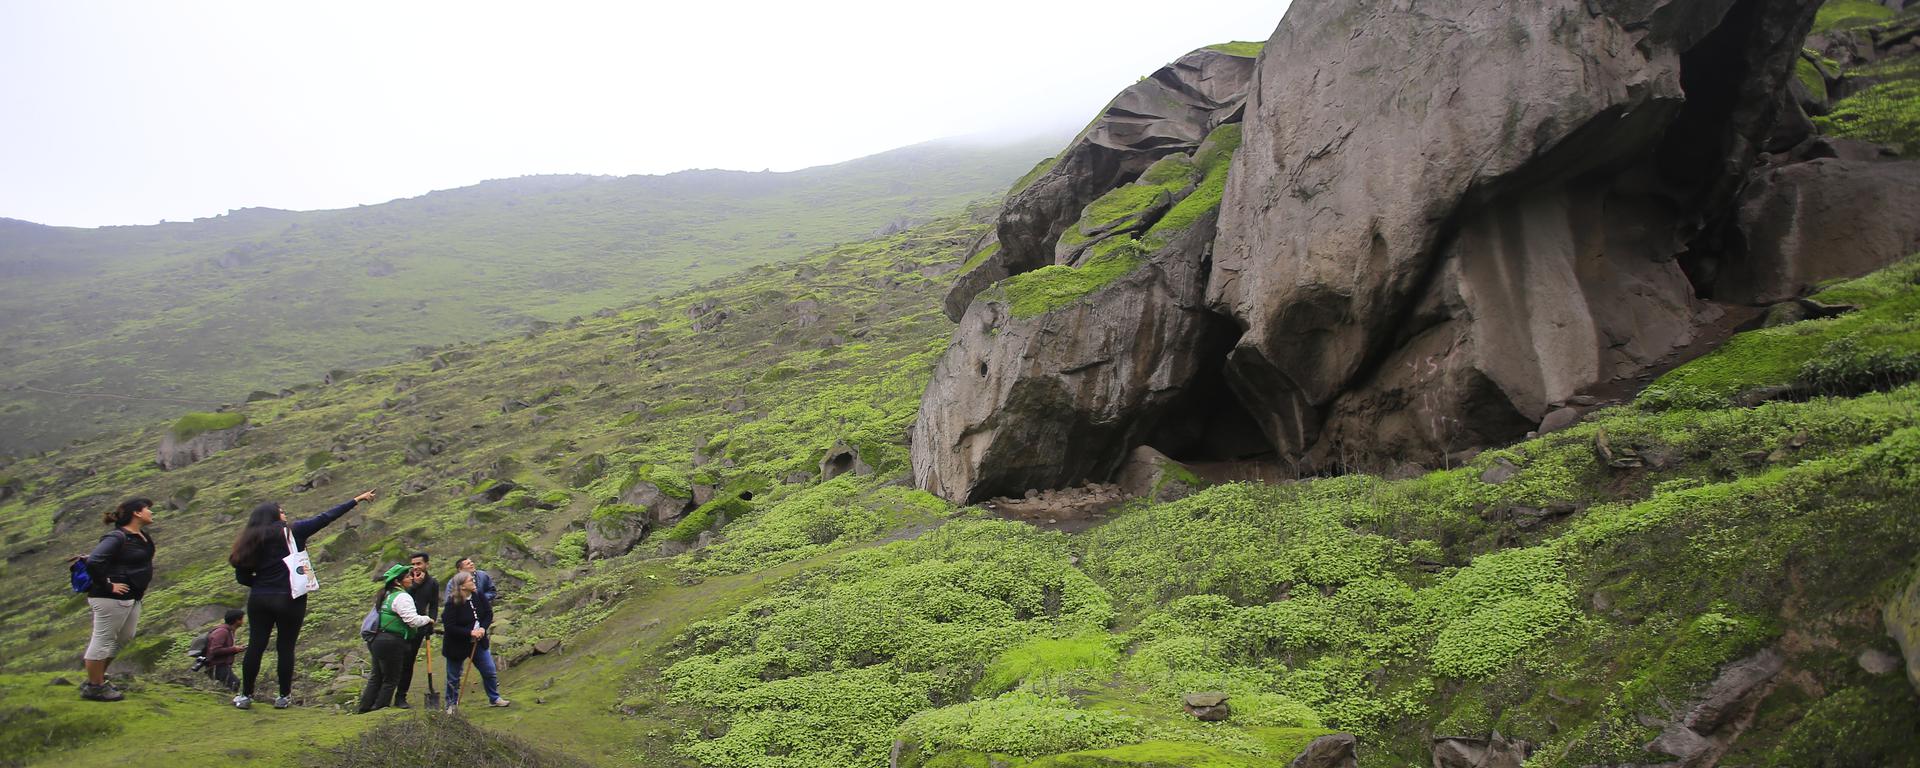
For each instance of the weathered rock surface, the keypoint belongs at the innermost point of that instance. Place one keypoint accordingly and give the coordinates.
(841, 459)
(176, 453)
(1168, 112)
(1054, 399)
(1209, 706)
(1427, 260)
(661, 507)
(1806, 222)
(1334, 750)
(1722, 712)
(1495, 751)
(1149, 474)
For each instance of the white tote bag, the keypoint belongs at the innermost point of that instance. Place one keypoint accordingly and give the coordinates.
(299, 568)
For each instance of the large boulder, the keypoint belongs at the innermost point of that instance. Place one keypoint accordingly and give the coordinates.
(1168, 112)
(199, 435)
(1053, 376)
(1802, 223)
(1446, 218)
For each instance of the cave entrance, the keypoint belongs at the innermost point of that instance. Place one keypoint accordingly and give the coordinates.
(1208, 429)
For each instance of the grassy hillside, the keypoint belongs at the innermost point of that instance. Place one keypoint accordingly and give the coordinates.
(1576, 604)
(108, 328)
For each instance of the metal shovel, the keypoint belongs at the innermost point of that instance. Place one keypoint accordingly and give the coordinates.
(433, 693)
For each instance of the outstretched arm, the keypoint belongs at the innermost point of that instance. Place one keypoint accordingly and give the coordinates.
(302, 529)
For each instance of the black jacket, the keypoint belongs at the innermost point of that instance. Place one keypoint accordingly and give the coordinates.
(460, 620)
(121, 558)
(426, 597)
(267, 575)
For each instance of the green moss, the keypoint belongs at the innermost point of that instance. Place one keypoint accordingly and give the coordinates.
(1871, 724)
(1810, 77)
(1019, 723)
(1039, 169)
(1083, 654)
(1887, 113)
(1888, 319)
(318, 459)
(1158, 754)
(197, 423)
(1241, 48)
(1053, 287)
(1211, 161)
(981, 257)
(1846, 14)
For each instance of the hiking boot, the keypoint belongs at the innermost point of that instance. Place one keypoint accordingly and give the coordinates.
(401, 704)
(282, 702)
(92, 692)
(449, 709)
(242, 702)
(499, 703)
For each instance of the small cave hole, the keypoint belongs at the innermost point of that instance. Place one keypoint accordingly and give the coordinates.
(1208, 429)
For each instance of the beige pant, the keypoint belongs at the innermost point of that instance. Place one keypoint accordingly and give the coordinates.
(113, 622)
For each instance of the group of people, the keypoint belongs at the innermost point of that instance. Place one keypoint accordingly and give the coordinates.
(267, 557)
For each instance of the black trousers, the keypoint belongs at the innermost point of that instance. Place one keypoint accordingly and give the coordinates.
(388, 651)
(406, 669)
(265, 615)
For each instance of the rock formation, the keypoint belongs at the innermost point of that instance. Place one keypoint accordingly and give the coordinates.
(1440, 225)
(178, 449)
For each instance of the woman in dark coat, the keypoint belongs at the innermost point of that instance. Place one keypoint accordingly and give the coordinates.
(466, 617)
(257, 560)
(119, 568)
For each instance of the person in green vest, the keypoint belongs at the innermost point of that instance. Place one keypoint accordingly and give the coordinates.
(395, 623)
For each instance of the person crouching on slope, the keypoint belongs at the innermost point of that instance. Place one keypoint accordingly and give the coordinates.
(468, 616)
(259, 562)
(222, 647)
(393, 635)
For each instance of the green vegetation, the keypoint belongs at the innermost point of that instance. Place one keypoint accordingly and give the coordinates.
(1847, 14)
(261, 299)
(1878, 343)
(1240, 48)
(1031, 294)
(1887, 113)
(197, 423)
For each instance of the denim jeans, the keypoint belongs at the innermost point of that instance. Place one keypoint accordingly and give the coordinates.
(489, 678)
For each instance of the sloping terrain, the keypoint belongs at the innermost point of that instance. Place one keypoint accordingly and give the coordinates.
(108, 328)
(701, 514)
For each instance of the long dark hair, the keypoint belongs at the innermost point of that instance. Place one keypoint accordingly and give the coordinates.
(263, 525)
(123, 514)
(386, 588)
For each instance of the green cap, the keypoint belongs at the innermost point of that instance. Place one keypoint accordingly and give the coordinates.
(396, 572)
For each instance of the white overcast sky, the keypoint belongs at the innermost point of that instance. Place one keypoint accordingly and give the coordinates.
(132, 112)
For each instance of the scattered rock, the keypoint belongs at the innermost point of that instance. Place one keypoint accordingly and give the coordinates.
(1878, 662)
(1496, 751)
(1210, 706)
(612, 532)
(1501, 471)
(1334, 750)
(707, 315)
(1149, 474)
(1803, 223)
(1558, 419)
(59, 681)
(841, 459)
(1722, 712)
(177, 451)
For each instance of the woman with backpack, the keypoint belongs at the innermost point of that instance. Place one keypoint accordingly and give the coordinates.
(467, 617)
(396, 622)
(260, 560)
(120, 568)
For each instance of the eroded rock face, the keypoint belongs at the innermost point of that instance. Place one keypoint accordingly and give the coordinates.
(1041, 388)
(176, 453)
(1702, 734)
(1428, 259)
(1169, 112)
(1806, 222)
(1335, 750)
(1496, 751)
(1902, 616)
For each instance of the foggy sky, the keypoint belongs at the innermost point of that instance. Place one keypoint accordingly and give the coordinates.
(133, 112)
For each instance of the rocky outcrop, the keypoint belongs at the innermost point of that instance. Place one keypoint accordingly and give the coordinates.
(661, 507)
(1149, 474)
(841, 459)
(178, 450)
(1702, 734)
(1168, 112)
(1495, 751)
(1053, 376)
(1426, 261)
(615, 531)
(1334, 750)
(1802, 223)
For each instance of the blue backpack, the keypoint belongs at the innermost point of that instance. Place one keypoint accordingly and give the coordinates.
(77, 574)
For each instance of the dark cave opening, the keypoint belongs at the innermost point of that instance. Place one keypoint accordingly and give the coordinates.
(1208, 424)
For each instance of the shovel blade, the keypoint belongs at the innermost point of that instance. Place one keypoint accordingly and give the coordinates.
(433, 694)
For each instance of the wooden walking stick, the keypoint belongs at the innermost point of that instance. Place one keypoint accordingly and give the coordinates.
(467, 671)
(433, 693)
